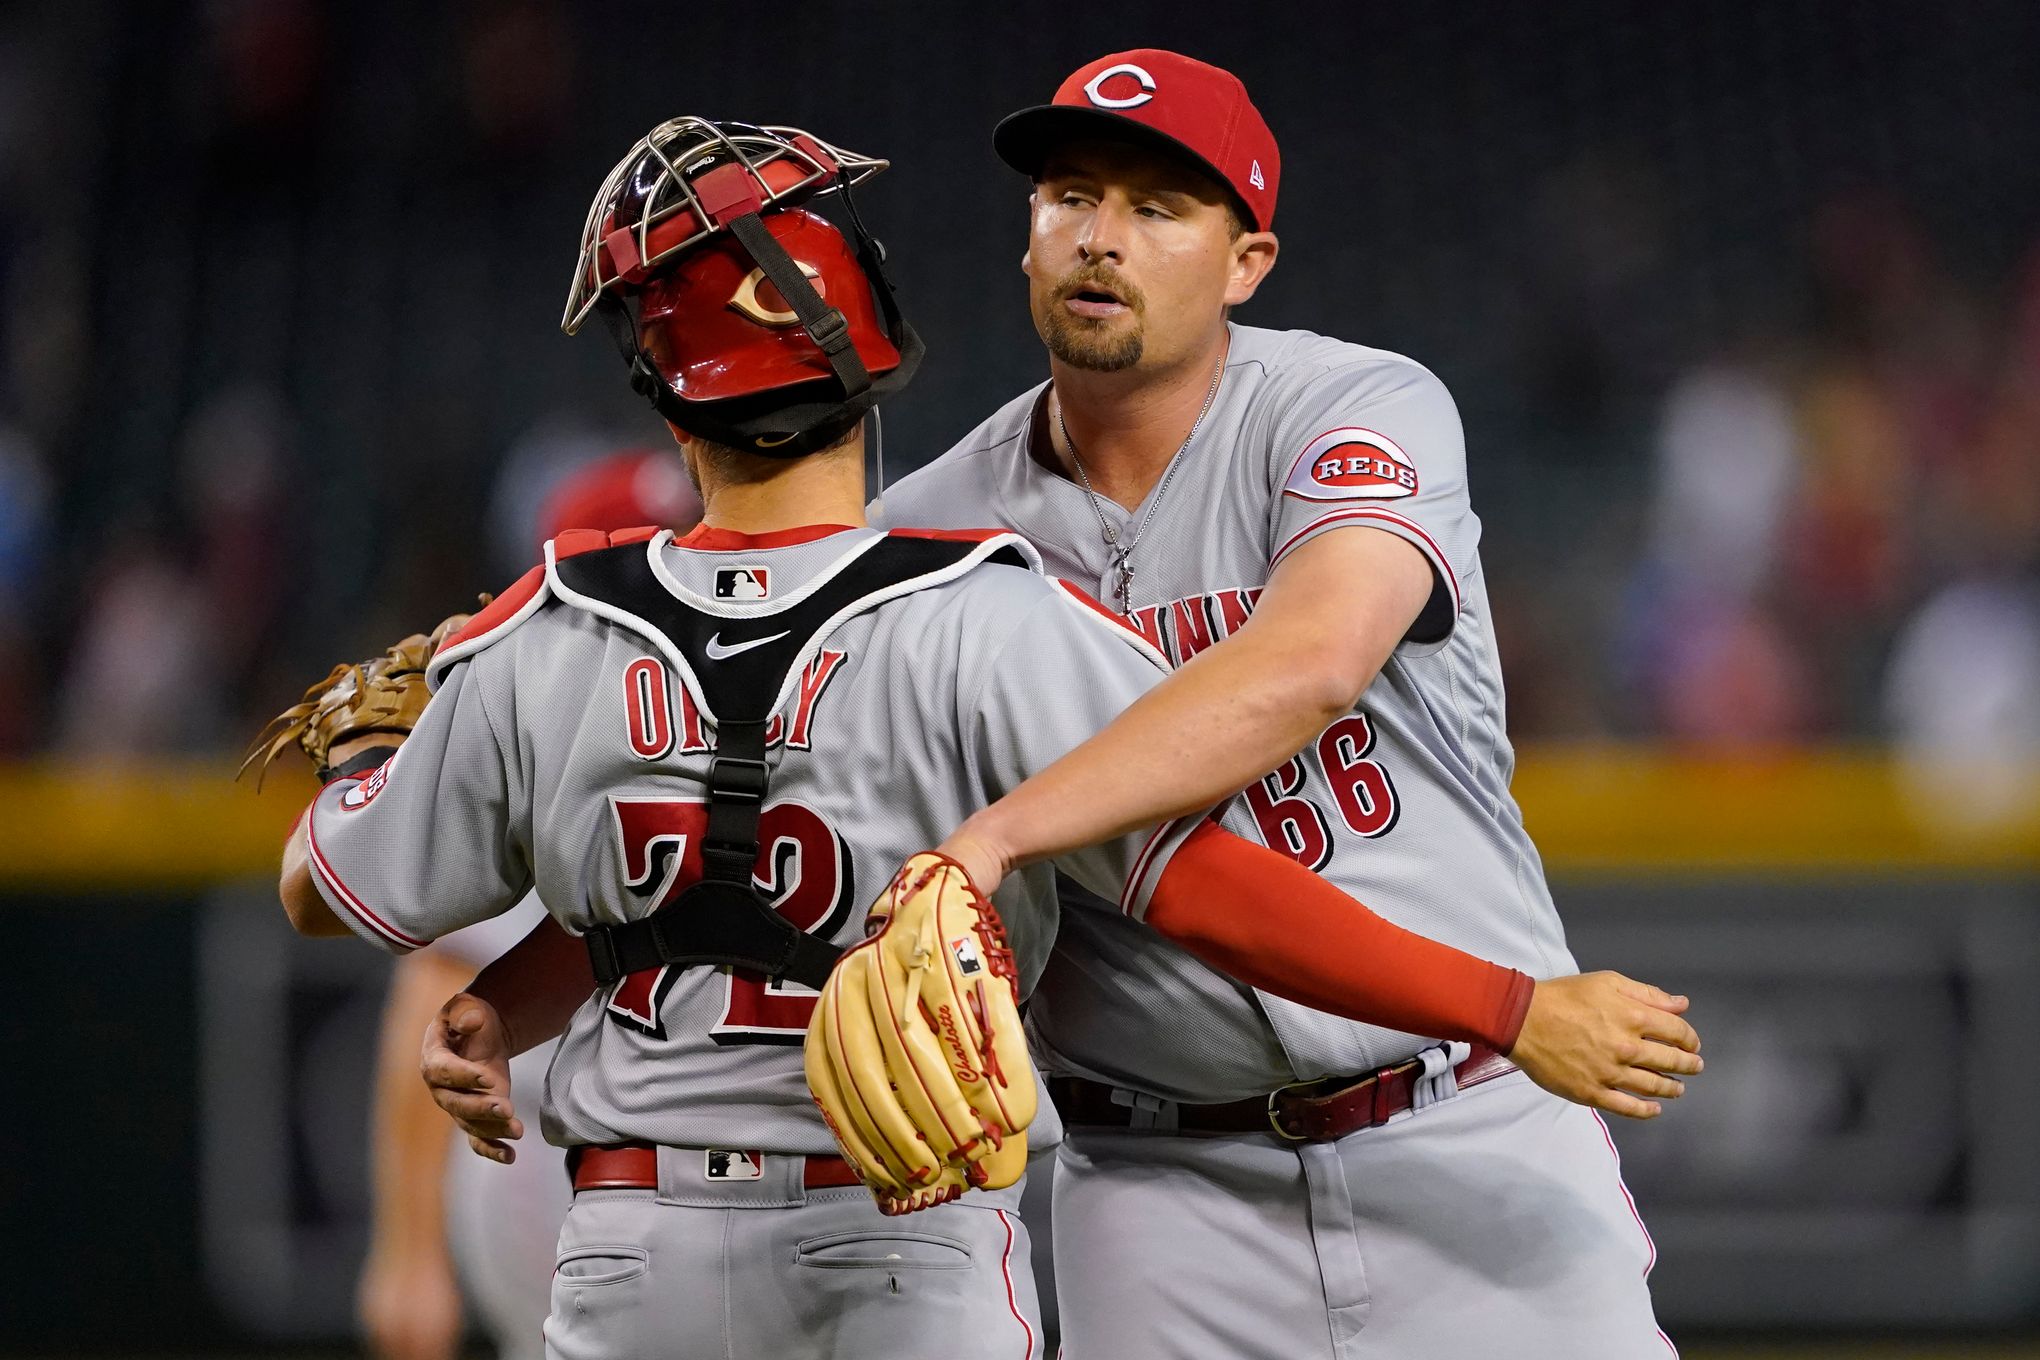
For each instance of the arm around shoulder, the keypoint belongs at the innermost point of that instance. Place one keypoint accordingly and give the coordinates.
(1330, 616)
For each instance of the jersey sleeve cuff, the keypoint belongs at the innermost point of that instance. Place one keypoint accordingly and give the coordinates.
(344, 900)
(1515, 1009)
(1434, 625)
(1148, 866)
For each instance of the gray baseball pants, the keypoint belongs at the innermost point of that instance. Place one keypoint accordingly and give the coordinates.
(740, 1270)
(1492, 1224)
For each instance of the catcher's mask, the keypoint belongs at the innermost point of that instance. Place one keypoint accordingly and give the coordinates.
(755, 323)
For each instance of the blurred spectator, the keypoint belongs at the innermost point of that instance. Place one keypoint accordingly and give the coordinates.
(536, 463)
(141, 677)
(1963, 702)
(231, 461)
(1714, 666)
(624, 491)
(24, 545)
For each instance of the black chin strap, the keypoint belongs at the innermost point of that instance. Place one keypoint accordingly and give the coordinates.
(825, 325)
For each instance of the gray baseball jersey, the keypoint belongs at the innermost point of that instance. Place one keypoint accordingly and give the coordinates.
(1404, 803)
(567, 748)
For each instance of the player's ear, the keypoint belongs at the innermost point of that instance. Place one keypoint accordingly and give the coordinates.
(1253, 255)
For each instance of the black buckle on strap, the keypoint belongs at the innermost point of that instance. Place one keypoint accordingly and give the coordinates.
(738, 778)
(831, 330)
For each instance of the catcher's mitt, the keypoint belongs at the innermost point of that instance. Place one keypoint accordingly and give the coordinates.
(357, 699)
(915, 1052)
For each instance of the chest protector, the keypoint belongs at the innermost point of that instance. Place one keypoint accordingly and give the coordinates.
(723, 920)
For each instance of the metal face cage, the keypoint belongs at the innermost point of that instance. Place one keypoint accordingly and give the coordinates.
(651, 207)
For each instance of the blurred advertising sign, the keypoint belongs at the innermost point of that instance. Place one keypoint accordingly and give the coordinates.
(1861, 1148)
(287, 1045)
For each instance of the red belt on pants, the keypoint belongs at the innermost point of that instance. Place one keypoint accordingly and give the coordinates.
(1311, 1112)
(635, 1166)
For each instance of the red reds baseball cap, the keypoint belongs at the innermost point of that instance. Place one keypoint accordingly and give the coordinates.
(1163, 99)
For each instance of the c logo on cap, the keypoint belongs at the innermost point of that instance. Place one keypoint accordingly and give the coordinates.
(1125, 68)
(745, 300)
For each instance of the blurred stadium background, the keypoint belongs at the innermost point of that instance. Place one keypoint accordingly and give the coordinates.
(1741, 304)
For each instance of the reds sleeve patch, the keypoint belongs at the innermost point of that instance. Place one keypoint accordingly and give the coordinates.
(1352, 464)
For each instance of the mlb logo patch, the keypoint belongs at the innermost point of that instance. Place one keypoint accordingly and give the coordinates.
(743, 583)
(1352, 464)
(732, 1164)
(968, 960)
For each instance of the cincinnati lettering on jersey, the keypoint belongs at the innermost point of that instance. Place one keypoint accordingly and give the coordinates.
(1182, 628)
(1351, 464)
(648, 718)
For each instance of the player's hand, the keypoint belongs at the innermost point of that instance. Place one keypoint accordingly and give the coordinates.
(466, 1066)
(409, 1305)
(1608, 1041)
(980, 855)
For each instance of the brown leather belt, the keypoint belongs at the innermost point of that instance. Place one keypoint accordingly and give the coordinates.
(635, 1166)
(1309, 1112)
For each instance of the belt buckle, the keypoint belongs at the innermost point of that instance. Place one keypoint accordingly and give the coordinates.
(1371, 1079)
(1275, 1119)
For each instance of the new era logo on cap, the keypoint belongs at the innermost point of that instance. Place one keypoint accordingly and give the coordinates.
(1254, 177)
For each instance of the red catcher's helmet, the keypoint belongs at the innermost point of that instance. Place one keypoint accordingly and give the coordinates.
(757, 325)
(716, 327)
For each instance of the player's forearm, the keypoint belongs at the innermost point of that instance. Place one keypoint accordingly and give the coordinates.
(307, 910)
(411, 1137)
(1273, 924)
(538, 985)
(1227, 718)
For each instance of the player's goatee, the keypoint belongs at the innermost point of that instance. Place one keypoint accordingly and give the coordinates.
(1082, 342)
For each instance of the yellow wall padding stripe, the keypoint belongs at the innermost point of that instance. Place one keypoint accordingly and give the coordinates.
(164, 824)
(1599, 810)
(1637, 810)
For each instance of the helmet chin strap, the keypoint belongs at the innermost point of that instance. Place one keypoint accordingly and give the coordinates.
(777, 424)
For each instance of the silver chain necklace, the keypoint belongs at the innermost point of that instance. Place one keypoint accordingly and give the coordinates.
(1122, 553)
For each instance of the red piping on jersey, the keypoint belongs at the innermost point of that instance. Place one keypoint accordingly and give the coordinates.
(1444, 563)
(1630, 1199)
(705, 539)
(1091, 602)
(1141, 864)
(346, 895)
(1275, 925)
(1013, 1302)
(950, 535)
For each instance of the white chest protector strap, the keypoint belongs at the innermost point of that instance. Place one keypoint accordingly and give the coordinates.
(723, 920)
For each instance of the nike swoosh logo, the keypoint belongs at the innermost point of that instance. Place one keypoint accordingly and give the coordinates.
(717, 652)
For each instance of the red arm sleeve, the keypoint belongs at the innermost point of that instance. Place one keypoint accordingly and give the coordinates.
(537, 985)
(1275, 925)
